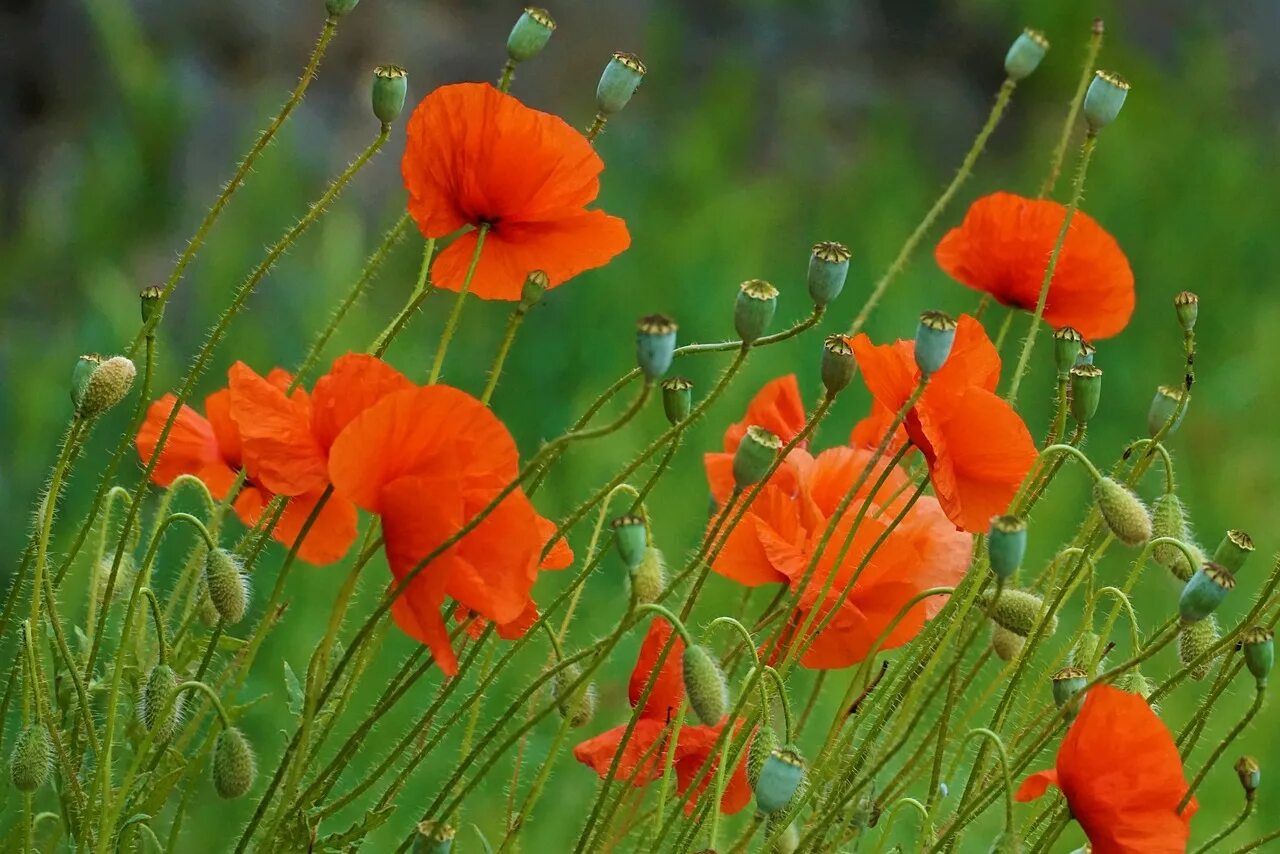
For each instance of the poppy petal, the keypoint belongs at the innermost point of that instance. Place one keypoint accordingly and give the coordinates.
(279, 448)
(330, 535)
(189, 448)
(668, 689)
(1035, 785)
(354, 383)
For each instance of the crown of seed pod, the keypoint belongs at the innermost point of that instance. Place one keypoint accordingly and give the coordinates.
(754, 455)
(390, 87)
(234, 768)
(534, 289)
(1194, 640)
(1018, 611)
(30, 761)
(1025, 54)
(1006, 644)
(1259, 648)
(97, 384)
(431, 837)
(227, 584)
(577, 706)
(758, 751)
(655, 345)
(704, 684)
(1187, 306)
(1066, 347)
(1124, 512)
(1006, 545)
(935, 333)
(753, 311)
(1250, 774)
(677, 399)
(530, 34)
(1166, 405)
(1087, 354)
(1234, 550)
(631, 538)
(1168, 519)
(621, 78)
(1205, 591)
(1086, 391)
(649, 577)
(153, 704)
(828, 270)
(1104, 99)
(1067, 685)
(838, 364)
(780, 778)
(149, 301)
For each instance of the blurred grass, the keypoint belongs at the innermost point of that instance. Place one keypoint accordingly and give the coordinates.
(762, 127)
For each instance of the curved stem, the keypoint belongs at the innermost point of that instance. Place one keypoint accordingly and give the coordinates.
(781, 688)
(1230, 828)
(158, 620)
(1004, 768)
(1123, 600)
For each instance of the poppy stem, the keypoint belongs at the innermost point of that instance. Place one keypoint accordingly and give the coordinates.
(1259, 695)
(1004, 769)
(1240, 819)
(1073, 112)
(455, 313)
(422, 289)
(162, 653)
(514, 322)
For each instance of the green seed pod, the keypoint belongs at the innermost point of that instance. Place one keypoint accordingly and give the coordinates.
(1006, 644)
(1067, 685)
(227, 584)
(530, 34)
(149, 299)
(655, 345)
(1124, 512)
(1018, 611)
(1164, 406)
(1187, 306)
(32, 758)
(1205, 591)
(234, 768)
(154, 700)
(1168, 519)
(828, 269)
(1104, 99)
(1066, 347)
(97, 388)
(338, 8)
(677, 399)
(780, 778)
(578, 706)
(935, 334)
(1006, 544)
(704, 685)
(838, 365)
(1025, 54)
(1234, 550)
(390, 87)
(1194, 640)
(754, 308)
(761, 746)
(787, 842)
(1250, 774)
(621, 78)
(433, 838)
(1259, 648)
(1086, 391)
(1085, 651)
(649, 577)
(630, 535)
(755, 454)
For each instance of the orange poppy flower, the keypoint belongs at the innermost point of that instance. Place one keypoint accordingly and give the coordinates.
(1002, 248)
(476, 156)
(643, 756)
(1121, 774)
(977, 447)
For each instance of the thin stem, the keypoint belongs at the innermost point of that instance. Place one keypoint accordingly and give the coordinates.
(455, 313)
(1230, 828)
(1259, 696)
(1004, 769)
(158, 620)
(422, 289)
(514, 321)
(1073, 112)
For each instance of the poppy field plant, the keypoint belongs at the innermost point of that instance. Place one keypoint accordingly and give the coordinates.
(807, 655)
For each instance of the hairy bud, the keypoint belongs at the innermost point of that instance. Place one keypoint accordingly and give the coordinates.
(227, 584)
(1018, 611)
(1168, 519)
(1005, 643)
(154, 701)
(577, 706)
(31, 759)
(234, 768)
(1194, 640)
(98, 387)
(649, 577)
(1124, 512)
(704, 684)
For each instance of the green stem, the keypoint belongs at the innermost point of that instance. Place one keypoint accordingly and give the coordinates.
(1229, 829)
(1073, 113)
(455, 313)
(514, 321)
(158, 620)
(422, 289)
(1004, 768)
(1258, 696)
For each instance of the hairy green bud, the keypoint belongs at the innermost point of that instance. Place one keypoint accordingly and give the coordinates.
(1194, 640)
(99, 387)
(579, 705)
(234, 768)
(152, 704)
(1018, 611)
(227, 584)
(31, 759)
(761, 746)
(1168, 519)
(704, 684)
(649, 577)
(1124, 512)
(1005, 643)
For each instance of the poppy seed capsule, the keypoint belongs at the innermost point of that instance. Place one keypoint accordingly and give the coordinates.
(704, 684)
(1005, 643)
(1067, 685)
(433, 838)
(1250, 774)
(149, 300)
(1205, 591)
(935, 334)
(530, 35)
(152, 705)
(1169, 520)
(30, 761)
(630, 534)
(1025, 54)
(780, 778)
(578, 706)
(761, 746)
(1124, 512)
(1187, 306)
(1194, 640)
(754, 455)
(1066, 347)
(828, 270)
(677, 399)
(1104, 99)
(655, 345)
(338, 8)
(106, 385)
(1086, 391)
(227, 584)
(1018, 611)
(234, 768)
(1006, 544)
(1234, 550)
(837, 364)
(1167, 404)
(649, 576)
(754, 308)
(621, 78)
(1259, 648)
(390, 86)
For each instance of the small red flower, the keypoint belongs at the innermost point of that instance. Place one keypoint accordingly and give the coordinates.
(1121, 774)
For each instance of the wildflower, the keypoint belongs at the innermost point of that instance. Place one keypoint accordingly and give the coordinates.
(1122, 777)
(977, 447)
(1004, 243)
(478, 157)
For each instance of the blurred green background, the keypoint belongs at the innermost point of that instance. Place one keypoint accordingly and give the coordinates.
(761, 128)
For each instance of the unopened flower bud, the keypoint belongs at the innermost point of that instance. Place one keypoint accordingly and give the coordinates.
(754, 308)
(828, 269)
(530, 34)
(838, 364)
(1250, 774)
(1187, 306)
(1085, 652)
(754, 456)
(390, 86)
(865, 814)
(677, 399)
(788, 842)
(1205, 591)
(338, 8)
(1018, 611)
(1134, 682)
(1006, 544)
(432, 837)
(1086, 392)
(1234, 550)
(228, 585)
(780, 778)
(649, 577)
(153, 706)
(935, 334)
(1259, 648)
(534, 287)
(1067, 685)
(97, 384)
(1025, 54)
(1166, 404)
(630, 535)
(1168, 519)
(577, 706)
(1194, 640)
(655, 345)
(1066, 347)
(704, 684)
(149, 300)
(621, 78)
(1124, 512)
(31, 759)
(1104, 99)
(1005, 643)
(234, 768)
(761, 747)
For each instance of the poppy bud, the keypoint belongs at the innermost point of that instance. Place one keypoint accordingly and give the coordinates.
(125, 574)
(32, 756)
(828, 269)
(1194, 640)
(390, 86)
(579, 705)
(338, 8)
(649, 577)
(204, 605)
(149, 299)
(935, 334)
(753, 311)
(1259, 647)
(1250, 774)
(1006, 544)
(1086, 354)
(1005, 643)
(780, 778)
(865, 814)
(1086, 391)
(655, 345)
(228, 585)
(754, 456)
(1165, 405)
(1018, 611)
(704, 684)
(619, 82)
(1025, 54)
(161, 683)
(1187, 306)
(1169, 520)
(630, 535)
(234, 768)
(1067, 684)
(1205, 591)
(1124, 512)
(1085, 651)
(758, 751)
(1104, 99)
(433, 838)
(1234, 550)
(789, 841)
(837, 364)
(677, 399)
(1007, 842)
(98, 384)
(535, 285)
(530, 34)
(81, 374)
(1134, 682)
(1066, 347)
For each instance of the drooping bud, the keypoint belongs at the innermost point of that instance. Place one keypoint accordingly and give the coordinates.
(1067, 685)
(1086, 391)
(1187, 306)
(98, 384)
(759, 750)
(576, 706)
(125, 575)
(631, 537)
(1104, 99)
(1066, 347)
(1134, 682)
(1085, 652)
(1005, 643)
(1166, 404)
(1234, 550)
(649, 577)
(838, 364)
(1194, 640)
(828, 269)
(530, 34)
(234, 768)
(1250, 774)
(1168, 519)
(1086, 354)
(1205, 591)
(1006, 544)
(227, 584)
(390, 86)
(655, 345)
(677, 399)
(154, 701)
(204, 605)
(754, 308)
(1124, 512)
(432, 837)
(338, 8)
(149, 300)
(754, 456)
(1259, 648)
(1025, 54)
(935, 334)
(1018, 611)
(31, 759)
(704, 684)
(621, 78)
(780, 778)
(788, 842)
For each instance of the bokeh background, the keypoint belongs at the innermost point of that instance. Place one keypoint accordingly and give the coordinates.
(762, 127)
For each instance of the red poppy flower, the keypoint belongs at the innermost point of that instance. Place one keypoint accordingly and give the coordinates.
(977, 447)
(476, 156)
(1002, 248)
(642, 759)
(1121, 774)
